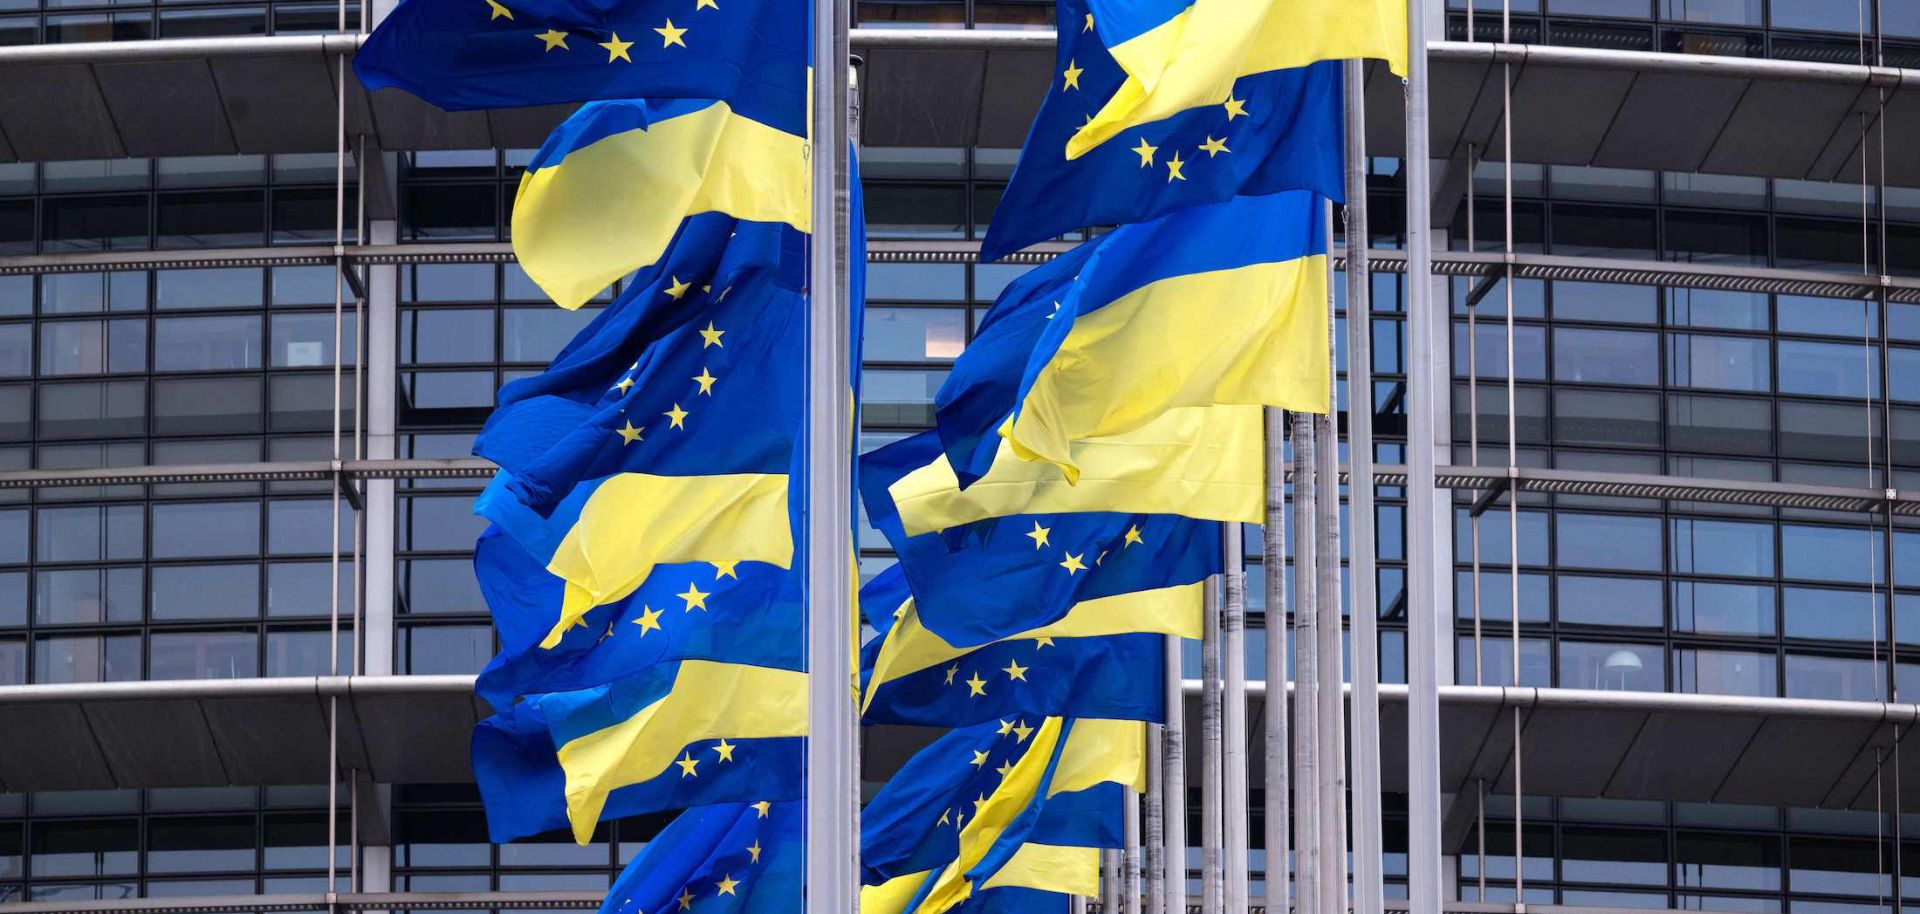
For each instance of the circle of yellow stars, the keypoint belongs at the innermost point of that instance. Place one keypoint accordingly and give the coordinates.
(711, 337)
(727, 884)
(1234, 106)
(553, 39)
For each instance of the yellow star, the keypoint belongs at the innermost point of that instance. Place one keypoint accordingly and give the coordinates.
(1006, 727)
(677, 290)
(629, 434)
(678, 415)
(498, 11)
(706, 5)
(694, 598)
(951, 671)
(726, 884)
(670, 36)
(1015, 671)
(687, 765)
(1073, 564)
(1213, 147)
(617, 49)
(686, 899)
(1021, 732)
(554, 39)
(725, 749)
(726, 570)
(649, 620)
(1089, 26)
(711, 337)
(1005, 767)
(1042, 642)
(1099, 558)
(982, 801)
(625, 385)
(1236, 107)
(976, 686)
(761, 808)
(753, 848)
(959, 819)
(979, 758)
(946, 817)
(1039, 534)
(705, 380)
(1072, 75)
(1133, 535)
(1145, 151)
(580, 622)
(1173, 169)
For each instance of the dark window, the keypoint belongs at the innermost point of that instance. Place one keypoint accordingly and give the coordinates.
(1615, 855)
(1602, 231)
(452, 212)
(206, 406)
(201, 219)
(200, 844)
(94, 223)
(1726, 238)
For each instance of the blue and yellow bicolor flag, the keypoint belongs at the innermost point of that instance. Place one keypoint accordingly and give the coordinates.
(735, 858)
(1054, 801)
(1221, 304)
(1182, 54)
(742, 612)
(1000, 577)
(467, 54)
(686, 733)
(1274, 130)
(609, 189)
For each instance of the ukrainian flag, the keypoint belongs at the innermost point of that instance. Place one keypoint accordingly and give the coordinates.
(1272, 131)
(736, 858)
(468, 54)
(672, 735)
(608, 190)
(1222, 304)
(1040, 827)
(745, 612)
(1105, 658)
(999, 578)
(1182, 54)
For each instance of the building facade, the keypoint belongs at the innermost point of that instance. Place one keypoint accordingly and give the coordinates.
(182, 344)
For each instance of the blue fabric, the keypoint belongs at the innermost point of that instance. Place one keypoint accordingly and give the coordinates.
(706, 858)
(1113, 676)
(1290, 138)
(464, 54)
(900, 831)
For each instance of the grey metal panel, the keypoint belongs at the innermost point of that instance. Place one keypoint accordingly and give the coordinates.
(262, 95)
(1386, 111)
(406, 122)
(1573, 752)
(1471, 738)
(525, 128)
(1667, 121)
(57, 112)
(1754, 141)
(1903, 136)
(1016, 83)
(1562, 114)
(1681, 755)
(923, 98)
(166, 108)
(1464, 100)
(1794, 761)
(274, 740)
(156, 743)
(416, 738)
(50, 747)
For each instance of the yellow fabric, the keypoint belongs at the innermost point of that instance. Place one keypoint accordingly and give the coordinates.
(1200, 462)
(1194, 58)
(635, 521)
(990, 819)
(1049, 868)
(892, 896)
(1255, 335)
(611, 207)
(910, 648)
(1102, 752)
(709, 700)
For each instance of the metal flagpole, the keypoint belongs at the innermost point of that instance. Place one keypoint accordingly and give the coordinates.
(1173, 772)
(1110, 881)
(1233, 724)
(833, 789)
(1154, 841)
(1274, 712)
(1212, 899)
(1367, 877)
(1129, 889)
(1330, 715)
(1424, 631)
(1306, 672)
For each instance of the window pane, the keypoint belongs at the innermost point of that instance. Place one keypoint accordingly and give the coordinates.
(1615, 667)
(1606, 418)
(1718, 362)
(1720, 425)
(93, 347)
(205, 529)
(204, 655)
(114, 658)
(87, 595)
(1715, 309)
(446, 335)
(1489, 355)
(206, 406)
(914, 334)
(1838, 554)
(307, 653)
(1610, 542)
(1589, 600)
(304, 340)
(200, 844)
(1496, 596)
(1605, 356)
(1723, 609)
(112, 409)
(1709, 672)
(537, 334)
(1818, 612)
(1614, 855)
(445, 648)
(439, 586)
(206, 592)
(94, 223)
(91, 534)
(99, 847)
(1727, 861)
(201, 219)
(226, 287)
(301, 588)
(1828, 369)
(1602, 301)
(1722, 547)
(1844, 678)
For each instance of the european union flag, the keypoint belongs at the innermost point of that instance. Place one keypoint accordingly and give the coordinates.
(743, 612)
(1032, 815)
(1000, 578)
(672, 735)
(466, 54)
(1276, 130)
(1105, 658)
(728, 859)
